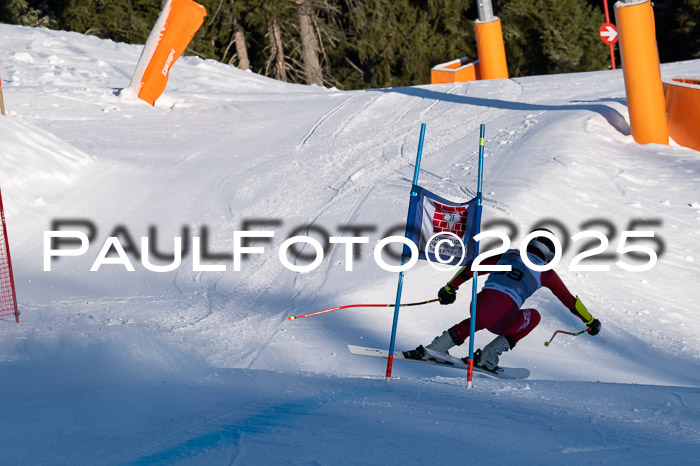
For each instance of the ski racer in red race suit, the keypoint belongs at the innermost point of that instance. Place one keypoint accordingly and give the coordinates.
(498, 304)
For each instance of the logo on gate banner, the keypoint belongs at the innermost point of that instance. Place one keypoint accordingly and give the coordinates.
(450, 219)
(437, 226)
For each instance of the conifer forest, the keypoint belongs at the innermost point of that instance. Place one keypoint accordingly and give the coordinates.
(354, 44)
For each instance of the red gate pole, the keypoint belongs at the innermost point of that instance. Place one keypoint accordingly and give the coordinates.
(2, 100)
(9, 261)
(612, 46)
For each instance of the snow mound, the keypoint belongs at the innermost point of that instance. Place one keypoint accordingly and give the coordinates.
(30, 155)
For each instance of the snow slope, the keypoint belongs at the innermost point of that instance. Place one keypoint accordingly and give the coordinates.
(195, 367)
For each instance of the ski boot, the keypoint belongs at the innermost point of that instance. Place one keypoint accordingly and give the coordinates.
(441, 344)
(487, 358)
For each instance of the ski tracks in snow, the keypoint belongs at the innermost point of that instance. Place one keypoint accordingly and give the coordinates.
(328, 114)
(364, 165)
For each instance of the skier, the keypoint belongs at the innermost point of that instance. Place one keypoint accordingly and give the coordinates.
(498, 304)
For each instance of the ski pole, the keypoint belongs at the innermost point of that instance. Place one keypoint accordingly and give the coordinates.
(361, 305)
(546, 343)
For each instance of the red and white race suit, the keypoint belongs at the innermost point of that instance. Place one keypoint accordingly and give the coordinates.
(498, 303)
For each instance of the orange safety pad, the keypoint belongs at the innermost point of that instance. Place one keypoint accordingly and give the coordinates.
(492, 53)
(683, 109)
(640, 62)
(183, 21)
(455, 71)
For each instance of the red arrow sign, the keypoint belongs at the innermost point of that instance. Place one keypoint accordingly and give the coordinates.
(608, 33)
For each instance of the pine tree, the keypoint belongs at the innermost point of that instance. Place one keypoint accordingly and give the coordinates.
(396, 42)
(552, 36)
(79, 15)
(215, 37)
(678, 29)
(120, 20)
(241, 47)
(25, 13)
(312, 66)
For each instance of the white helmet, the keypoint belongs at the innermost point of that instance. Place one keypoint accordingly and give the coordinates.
(543, 245)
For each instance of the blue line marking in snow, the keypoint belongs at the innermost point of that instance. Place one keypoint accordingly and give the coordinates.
(256, 424)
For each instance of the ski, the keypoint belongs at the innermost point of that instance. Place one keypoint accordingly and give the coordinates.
(500, 372)
(443, 360)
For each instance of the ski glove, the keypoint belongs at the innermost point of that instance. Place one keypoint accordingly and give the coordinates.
(581, 311)
(447, 295)
(594, 327)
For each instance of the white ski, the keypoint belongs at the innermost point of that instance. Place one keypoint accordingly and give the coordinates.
(444, 360)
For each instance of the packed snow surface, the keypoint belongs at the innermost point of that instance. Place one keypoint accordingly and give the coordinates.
(189, 366)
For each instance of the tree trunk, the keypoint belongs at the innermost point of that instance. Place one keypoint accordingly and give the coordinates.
(312, 67)
(274, 33)
(241, 49)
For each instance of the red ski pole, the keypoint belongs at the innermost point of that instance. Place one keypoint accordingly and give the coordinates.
(546, 343)
(360, 305)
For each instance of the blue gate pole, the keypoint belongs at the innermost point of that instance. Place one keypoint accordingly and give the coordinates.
(472, 319)
(416, 171)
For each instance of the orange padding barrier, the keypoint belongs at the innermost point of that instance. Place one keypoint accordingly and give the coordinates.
(172, 33)
(492, 53)
(683, 109)
(640, 62)
(456, 71)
